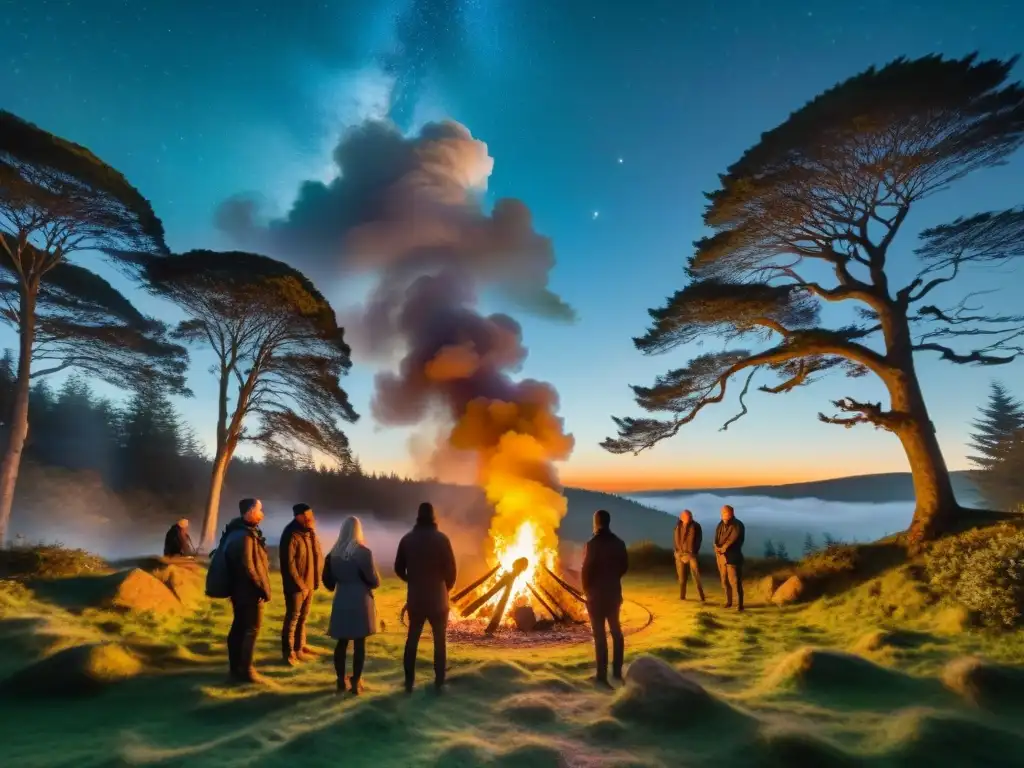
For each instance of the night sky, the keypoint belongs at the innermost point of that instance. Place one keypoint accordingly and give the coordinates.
(608, 119)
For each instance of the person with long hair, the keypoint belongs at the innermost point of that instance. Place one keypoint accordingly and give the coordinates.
(350, 573)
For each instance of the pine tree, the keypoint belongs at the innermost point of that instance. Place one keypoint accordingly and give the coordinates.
(1000, 419)
(808, 544)
(151, 441)
(769, 550)
(829, 541)
(781, 552)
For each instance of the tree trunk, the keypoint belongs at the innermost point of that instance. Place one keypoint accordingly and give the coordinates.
(220, 467)
(17, 432)
(936, 505)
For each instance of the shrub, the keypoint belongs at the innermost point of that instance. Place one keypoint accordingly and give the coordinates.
(835, 558)
(648, 556)
(982, 570)
(48, 561)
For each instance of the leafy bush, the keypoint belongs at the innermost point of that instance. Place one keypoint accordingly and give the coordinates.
(48, 561)
(835, 558)
(982, 570)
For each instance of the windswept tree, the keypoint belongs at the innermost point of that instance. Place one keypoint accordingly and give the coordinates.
(808, 217)
(1000, 421)
(279, 353)
(56, 199)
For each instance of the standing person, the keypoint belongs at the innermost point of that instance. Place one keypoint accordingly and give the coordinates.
(177, 542)
(729, 536)
(245, 552)
(688, 538)
(605, 562)
(350, 573)
(426, 562)
(301, 566)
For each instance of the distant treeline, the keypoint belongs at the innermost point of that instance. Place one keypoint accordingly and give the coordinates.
(144, 450)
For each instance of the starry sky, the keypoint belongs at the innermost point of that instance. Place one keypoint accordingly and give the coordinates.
(607, 119)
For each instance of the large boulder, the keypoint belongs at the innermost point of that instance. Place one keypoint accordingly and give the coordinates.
(658, 695)
(791, 590)
(136, 590)
(79, 670)
(766, 587)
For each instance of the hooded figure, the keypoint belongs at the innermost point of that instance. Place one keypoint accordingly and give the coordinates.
(349, 572)
(426, 563)
(177, 542)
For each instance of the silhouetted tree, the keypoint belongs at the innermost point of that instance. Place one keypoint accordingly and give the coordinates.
(1002, 482)
(277, 345)
(769, 550)
(781, 552)
(153, 443)
(1001, 418)
(831, 188)
(57, 198)
(829, 541)
(808, 544)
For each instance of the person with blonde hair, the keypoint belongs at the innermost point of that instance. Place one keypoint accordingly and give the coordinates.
(350, 573)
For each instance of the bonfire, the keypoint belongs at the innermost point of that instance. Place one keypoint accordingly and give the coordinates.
(522, 588)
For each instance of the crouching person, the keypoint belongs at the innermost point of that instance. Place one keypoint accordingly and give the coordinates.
(248, 566)
(301, 564)
(350, 573)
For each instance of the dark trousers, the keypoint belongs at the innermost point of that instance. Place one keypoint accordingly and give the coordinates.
(358, 658)
(245, 628)
(296, 611)
(687, 566)
(600, 616)
(732, 579)
(439, 628)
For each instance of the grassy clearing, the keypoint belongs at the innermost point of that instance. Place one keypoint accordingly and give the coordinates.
(880, 675)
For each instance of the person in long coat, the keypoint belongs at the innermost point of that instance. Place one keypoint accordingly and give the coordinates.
(350, 573)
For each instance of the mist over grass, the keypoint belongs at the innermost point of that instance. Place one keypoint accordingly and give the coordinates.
(789, 520)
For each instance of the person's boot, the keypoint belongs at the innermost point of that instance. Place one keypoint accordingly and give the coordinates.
(408, 685)
(253, 677)
(291, 660)
(307, 654)
(356, 686)
(341, 687)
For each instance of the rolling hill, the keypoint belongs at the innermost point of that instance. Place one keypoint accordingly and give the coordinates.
(877, 488)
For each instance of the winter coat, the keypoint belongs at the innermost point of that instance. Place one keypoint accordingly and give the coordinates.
(729, 537)
(426, 562)
(177, 543)
(301, 559)
(245, 551)
(605, 562)
(688, 539)
(353, 612)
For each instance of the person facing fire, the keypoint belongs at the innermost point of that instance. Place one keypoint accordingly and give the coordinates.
(729, 536)
(688, 537)
(350, 573)
(301, 565)
(245, 555)
(177, 542)
(605, 562)
(426, 562)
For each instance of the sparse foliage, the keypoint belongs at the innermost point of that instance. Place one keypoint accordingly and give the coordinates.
(769, 550)
(831, 188)
(781, 552)
(279, 353)
(56, 199)
(808, 544)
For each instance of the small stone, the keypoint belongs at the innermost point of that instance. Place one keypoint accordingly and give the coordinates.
(525, 618)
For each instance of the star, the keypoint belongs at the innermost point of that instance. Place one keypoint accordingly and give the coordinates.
(595, 214)
(620, 161)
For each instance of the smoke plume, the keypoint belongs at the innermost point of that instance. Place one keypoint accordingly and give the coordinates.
(407, 211)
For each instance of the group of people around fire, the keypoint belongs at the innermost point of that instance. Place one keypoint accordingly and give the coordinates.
(425, 561)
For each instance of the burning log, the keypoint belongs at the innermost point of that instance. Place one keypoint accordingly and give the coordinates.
(476, 584)
(506, 584)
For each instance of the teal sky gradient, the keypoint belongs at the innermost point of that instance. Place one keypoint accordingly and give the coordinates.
(194, 105)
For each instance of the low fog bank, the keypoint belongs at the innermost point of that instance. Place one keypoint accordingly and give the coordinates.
(789, 520)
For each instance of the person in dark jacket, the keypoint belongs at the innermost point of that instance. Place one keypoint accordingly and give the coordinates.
(177, 542)
(729, 536)
(426, 562)
(688, 537)
(605, 562)
(301, 566)
(245, 552)
(350, 573)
